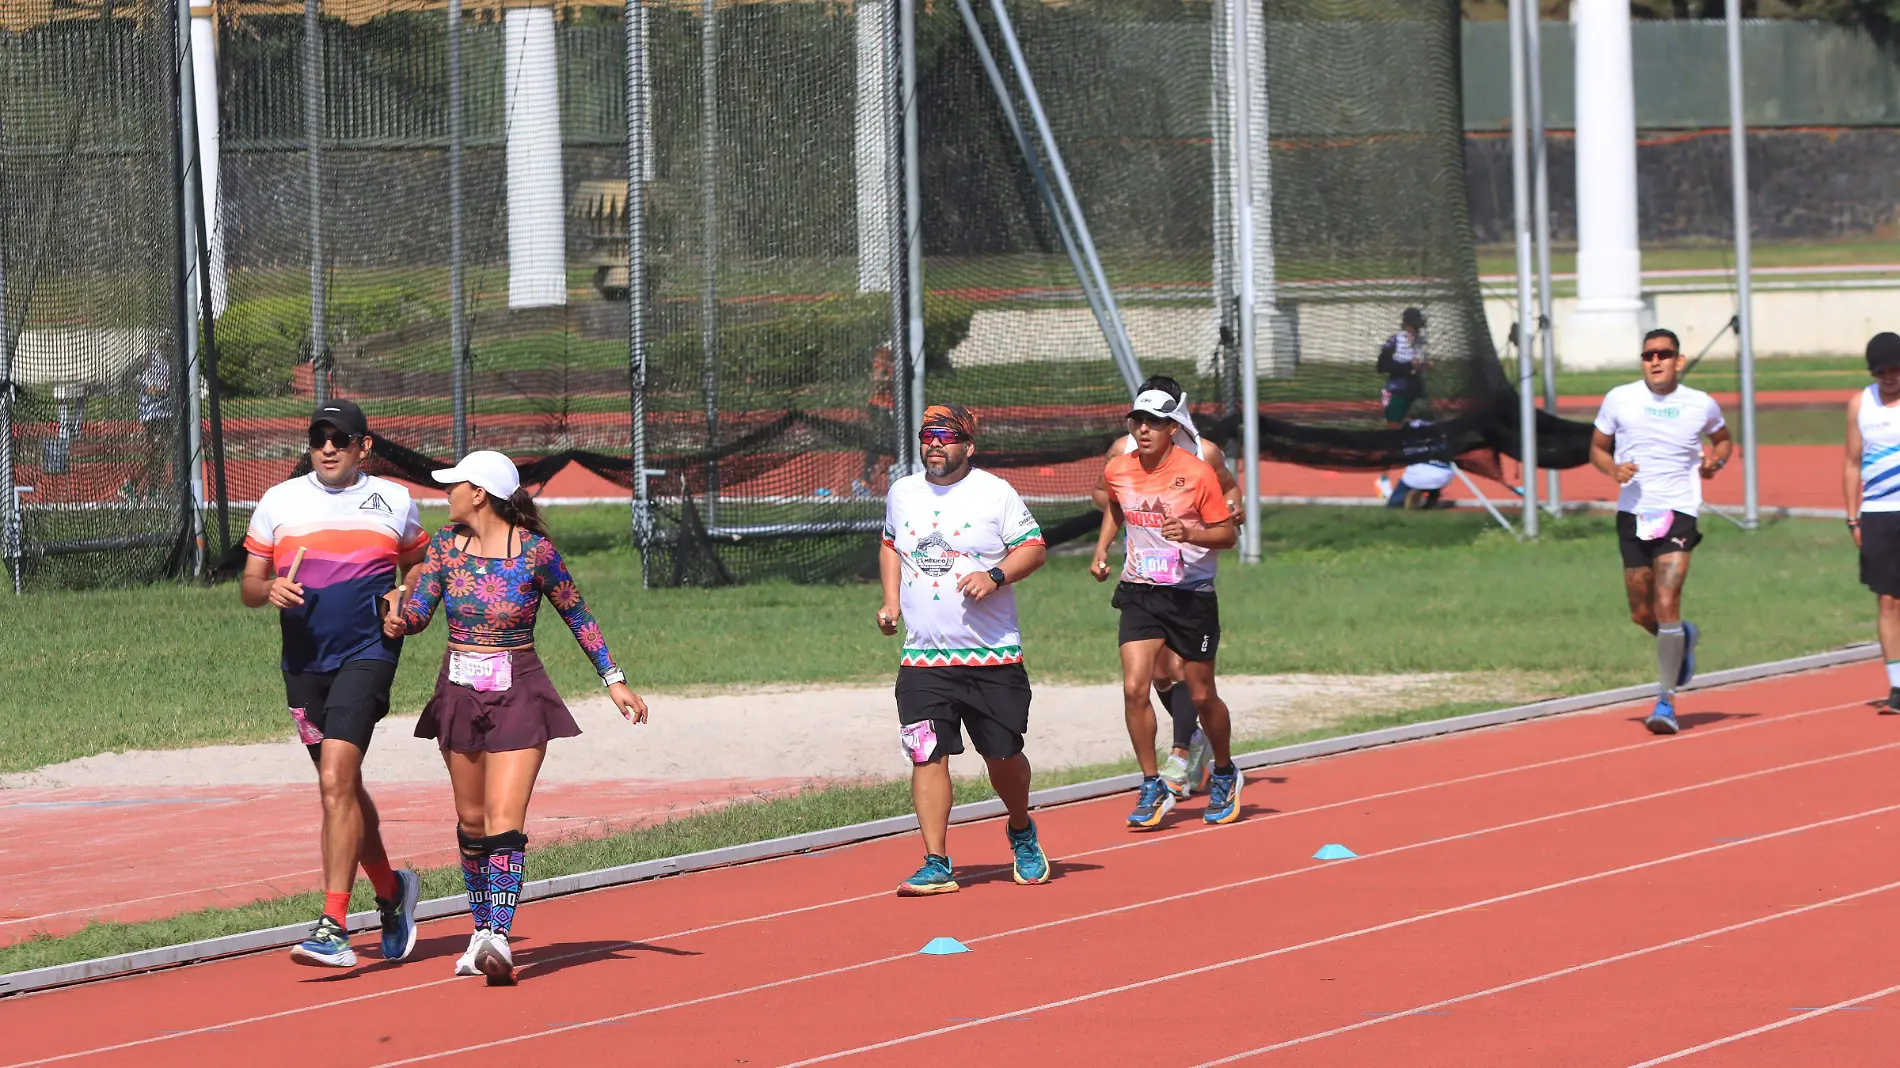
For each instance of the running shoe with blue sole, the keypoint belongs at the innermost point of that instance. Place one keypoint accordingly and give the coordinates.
(327, 947)
(1223, 797)
(1032, 866)
(1152, 805)
(1689, 635)
(1663, 720)
(399, 916)
(935, 877)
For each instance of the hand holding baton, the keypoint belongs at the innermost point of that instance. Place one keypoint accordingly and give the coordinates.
(285, 593)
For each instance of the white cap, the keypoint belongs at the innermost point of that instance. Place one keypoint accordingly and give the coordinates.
(490, 470)
(1159, 402)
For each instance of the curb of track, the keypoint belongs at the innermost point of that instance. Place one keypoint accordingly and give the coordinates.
(278, 937)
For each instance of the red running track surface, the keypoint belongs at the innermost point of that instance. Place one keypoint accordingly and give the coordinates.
(1569, 891)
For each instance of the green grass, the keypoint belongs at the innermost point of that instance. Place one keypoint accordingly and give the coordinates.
(1496, 259)
(734, 825)
(1340, 591)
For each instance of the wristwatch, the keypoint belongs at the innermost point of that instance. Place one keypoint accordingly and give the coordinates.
(616, 675)
(997, 576)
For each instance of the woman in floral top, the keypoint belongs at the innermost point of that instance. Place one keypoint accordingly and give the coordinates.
(494, 709)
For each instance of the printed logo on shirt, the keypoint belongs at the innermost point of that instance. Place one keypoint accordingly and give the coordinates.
(376, 504)
(1665, 413)
(934, 555)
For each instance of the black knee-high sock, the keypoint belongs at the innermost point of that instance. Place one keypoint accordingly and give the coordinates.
(507, 856)
(1186, 718)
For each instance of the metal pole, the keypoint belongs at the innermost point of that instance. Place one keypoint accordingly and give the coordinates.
(709, 246)
(9, 499)
(313, 111)
(190, 413)
(1237, 64)
(1744, 331)
(903, 433)
(1540, 212)
(1036, 172)
(636, 215)
(1521, 202)
(1117, 335)
(913, 223)
(206, 297)
(458, 327)
(185, 323)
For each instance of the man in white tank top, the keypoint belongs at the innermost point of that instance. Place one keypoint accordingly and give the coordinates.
(1870, 478)
(1189, 760)
(1649, 438)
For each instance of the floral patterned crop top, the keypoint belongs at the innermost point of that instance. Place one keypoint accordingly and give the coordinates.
(493, 601)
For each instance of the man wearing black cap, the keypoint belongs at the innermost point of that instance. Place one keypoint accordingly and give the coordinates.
(1402, 362)
(325, 551)
(1870, 478)
(956, 542)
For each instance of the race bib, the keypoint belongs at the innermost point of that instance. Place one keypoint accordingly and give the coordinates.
(1653, 523)
(1160, 566)
(482, 672)
(920, 741)
(307, 732)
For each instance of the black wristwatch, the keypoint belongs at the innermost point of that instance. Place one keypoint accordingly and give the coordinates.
(997, 576)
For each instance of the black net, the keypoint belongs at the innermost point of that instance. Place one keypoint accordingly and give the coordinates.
(94, 484)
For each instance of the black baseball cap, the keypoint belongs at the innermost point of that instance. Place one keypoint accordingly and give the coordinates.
(342, 414)
(1883, 351)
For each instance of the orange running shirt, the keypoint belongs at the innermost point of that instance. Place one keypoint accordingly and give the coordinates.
(1184, 487)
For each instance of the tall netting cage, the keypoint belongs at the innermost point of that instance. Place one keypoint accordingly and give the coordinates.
(95, 479)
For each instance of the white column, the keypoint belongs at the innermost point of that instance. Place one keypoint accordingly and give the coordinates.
(537, 229)
(871, 157)
(1607, 326)
(1243, 71)
(204, 75)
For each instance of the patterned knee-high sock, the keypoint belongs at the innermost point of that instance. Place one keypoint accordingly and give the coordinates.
(474, 875)
(507, 854)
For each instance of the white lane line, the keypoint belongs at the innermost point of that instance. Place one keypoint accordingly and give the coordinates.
(1138, 843)
(1283, 950)
(1188, 894)
(1765, 1028)
(1561, 973)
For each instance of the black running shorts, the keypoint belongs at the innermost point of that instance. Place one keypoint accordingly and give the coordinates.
(345, 704)
(1681, 537)
(1880, 552)
(990, 701)
(1187, 620)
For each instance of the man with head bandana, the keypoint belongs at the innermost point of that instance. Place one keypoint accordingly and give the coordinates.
(956, 540)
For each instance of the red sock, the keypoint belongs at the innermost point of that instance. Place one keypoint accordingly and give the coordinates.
(337, 905)
(381, 877)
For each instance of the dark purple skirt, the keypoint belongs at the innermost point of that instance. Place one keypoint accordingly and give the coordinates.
(525, 715)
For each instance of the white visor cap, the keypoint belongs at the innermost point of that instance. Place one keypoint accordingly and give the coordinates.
(490, 470)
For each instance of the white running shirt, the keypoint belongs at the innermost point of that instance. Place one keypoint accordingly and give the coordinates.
(942, 533)
(1879, 454)
(1662, 436)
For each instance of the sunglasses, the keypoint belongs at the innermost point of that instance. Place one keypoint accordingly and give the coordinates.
(939, 435)
(318, 438)
(1659, 354)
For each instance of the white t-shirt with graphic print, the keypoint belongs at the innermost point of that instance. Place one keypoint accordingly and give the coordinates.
(1663, 437)
(942, 533)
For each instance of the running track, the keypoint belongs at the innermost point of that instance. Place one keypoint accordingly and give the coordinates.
(1568, 891)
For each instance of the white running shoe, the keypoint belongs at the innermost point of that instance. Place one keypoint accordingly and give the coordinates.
(1200, 761)
(1385, 487)
(465, 964)
(496, 960)
(1174, 775)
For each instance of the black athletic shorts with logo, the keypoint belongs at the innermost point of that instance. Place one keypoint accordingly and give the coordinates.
(1188, 620)
(990, 701)
(1681, 537)
(1880, 552)
(345, 704)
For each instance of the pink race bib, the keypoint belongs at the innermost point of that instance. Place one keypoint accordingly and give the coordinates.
(481, 672)
(307, 732)
(1160, 566)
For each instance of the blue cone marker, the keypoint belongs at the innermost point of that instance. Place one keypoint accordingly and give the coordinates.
(940, 947)
(1334, 851)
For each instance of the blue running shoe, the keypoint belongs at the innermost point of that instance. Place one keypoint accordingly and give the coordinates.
(1151, 806)
(1689, 636)
(399, 916)
(1031, 867)
(1663, 720)
(1223, 797)
(327, 947)
(935, 877)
